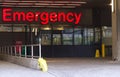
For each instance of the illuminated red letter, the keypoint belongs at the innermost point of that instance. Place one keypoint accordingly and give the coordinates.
(18, 16)
(53, 17)
(6, 14)
(69, 17)
(44, 18)
(36, 16)
(78, 18)
(30, 16)
(61, 16)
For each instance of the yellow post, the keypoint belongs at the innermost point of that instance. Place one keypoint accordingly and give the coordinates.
(103, 50)
(42, 64)
(97, 53)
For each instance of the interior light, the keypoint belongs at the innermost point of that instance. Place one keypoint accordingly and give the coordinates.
(46, 28)
(112, 6)
(60, 28)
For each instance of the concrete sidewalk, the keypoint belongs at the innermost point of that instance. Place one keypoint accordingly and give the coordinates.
(65, 67)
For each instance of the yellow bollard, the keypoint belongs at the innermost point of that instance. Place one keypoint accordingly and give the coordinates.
(97, 53)
(42, 64)
(103, 50)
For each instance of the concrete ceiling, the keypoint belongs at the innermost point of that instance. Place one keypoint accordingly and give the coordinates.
(55, 3)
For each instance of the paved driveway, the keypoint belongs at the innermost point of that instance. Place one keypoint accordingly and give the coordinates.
(65, 67)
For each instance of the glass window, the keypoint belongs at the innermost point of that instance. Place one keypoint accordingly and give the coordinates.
(67, 39)
(77, 36)
(67, 30)
(97, 34)
(90, 36)
(56, 39)
(107, 32)
(67, 36)
(85, 36)
(46, 39)
(107, 35)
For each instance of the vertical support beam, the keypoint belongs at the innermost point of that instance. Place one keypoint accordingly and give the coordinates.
(11, 50)
(8, 50)
(116, 30)
(20, 50)
(5, 49)
(39, 50)
(32, 51)
(25, 51)
(0, 50)
(15, 50)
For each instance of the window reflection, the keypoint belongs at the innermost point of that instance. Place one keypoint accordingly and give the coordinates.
(67, 36)
(56, 39)
(67, 39)
(97, 35)
(46, 39)
(77, 36)
(90, 36)
(107, 35)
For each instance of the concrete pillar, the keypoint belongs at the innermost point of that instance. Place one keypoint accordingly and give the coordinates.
(116, 30)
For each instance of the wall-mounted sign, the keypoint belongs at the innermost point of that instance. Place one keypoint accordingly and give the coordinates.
(44, 17)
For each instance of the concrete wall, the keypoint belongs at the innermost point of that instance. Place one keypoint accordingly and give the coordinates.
(27, 62)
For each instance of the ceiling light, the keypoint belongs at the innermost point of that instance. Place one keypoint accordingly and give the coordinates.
(46, 28)
(60, 28)
(112, 5)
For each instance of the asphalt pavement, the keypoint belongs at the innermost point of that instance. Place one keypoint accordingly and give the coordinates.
(65, 67)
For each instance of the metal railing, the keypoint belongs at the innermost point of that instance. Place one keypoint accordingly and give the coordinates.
(27, 51)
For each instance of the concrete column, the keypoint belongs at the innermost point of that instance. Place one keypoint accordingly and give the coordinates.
(116, 31)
